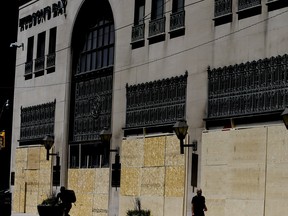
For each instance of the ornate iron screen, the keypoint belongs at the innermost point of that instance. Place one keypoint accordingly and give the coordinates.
(251, 88)
(93, 105)
(155, 103)
(36, 122)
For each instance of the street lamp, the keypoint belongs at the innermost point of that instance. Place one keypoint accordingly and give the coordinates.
(285, 117)
(105, 135)
(48, 142)
(181, 128)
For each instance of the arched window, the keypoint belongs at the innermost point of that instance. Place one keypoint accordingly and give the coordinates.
(91, 93)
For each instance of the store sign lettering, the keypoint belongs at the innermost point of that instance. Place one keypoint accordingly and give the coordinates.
(42, 15)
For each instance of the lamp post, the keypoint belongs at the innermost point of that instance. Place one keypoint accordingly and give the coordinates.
(181, 128)
(48, 142)
(105, 136)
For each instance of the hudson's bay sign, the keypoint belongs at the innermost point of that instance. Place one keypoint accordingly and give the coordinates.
(40, 16)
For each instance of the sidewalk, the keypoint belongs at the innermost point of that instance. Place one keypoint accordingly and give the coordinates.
(23, 214)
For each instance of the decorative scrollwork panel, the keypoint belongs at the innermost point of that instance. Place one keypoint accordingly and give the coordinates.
(255, 87)
(156, 103)
(93, 105)
(37, 121)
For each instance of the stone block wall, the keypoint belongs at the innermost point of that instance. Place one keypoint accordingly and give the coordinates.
(244, 171)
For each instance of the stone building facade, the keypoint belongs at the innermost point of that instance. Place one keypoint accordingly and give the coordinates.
(134, 68)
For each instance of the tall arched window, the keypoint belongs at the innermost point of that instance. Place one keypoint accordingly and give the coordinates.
(91, 102)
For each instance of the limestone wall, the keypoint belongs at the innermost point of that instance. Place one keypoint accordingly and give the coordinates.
(243, 171)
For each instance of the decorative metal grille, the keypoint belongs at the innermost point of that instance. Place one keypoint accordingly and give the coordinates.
(93, 105)
(138, 32)
(39, 64)
(50, 61)
(252, 88)
(37, 121)
(156, 103)
(28, 67)
(157, 27)
(222, 7)
(245, 4)
(177, 20)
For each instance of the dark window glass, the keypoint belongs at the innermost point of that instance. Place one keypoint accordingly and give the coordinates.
(41, 45)
(99, 59)
(93, 156)
(98, 51)
(100, 37)
(89, 41)
(83, 59)
(95, 32)
(30, 48)
(112, 34)
(93, 60)
(52, 40)
(111, 56)
(139, 12)
(157, 9)
(88, 62)
(105, 57)
(106, 35)
(178, 5)
(74, 156)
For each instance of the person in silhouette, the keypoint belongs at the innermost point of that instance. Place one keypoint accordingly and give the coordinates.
(64, 200)
(198, 204)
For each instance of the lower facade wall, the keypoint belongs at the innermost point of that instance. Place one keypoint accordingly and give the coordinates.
(33, 184)
(244, 171)
(152, 170)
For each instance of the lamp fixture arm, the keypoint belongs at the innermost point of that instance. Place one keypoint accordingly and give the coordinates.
(5, 105)
(114, 150)
(193, 145)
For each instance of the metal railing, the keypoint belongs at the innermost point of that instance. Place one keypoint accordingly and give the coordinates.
(138, 32)
(28, 67)
(245, 4)
(177, 20)
(157, 27)
(222, 7)
(39, 64)
(50, 61)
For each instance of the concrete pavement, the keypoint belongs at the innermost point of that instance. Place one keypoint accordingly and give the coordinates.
(23, 214)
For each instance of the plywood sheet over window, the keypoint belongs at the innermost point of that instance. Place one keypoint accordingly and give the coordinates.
(33, 158)
(152, 167)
